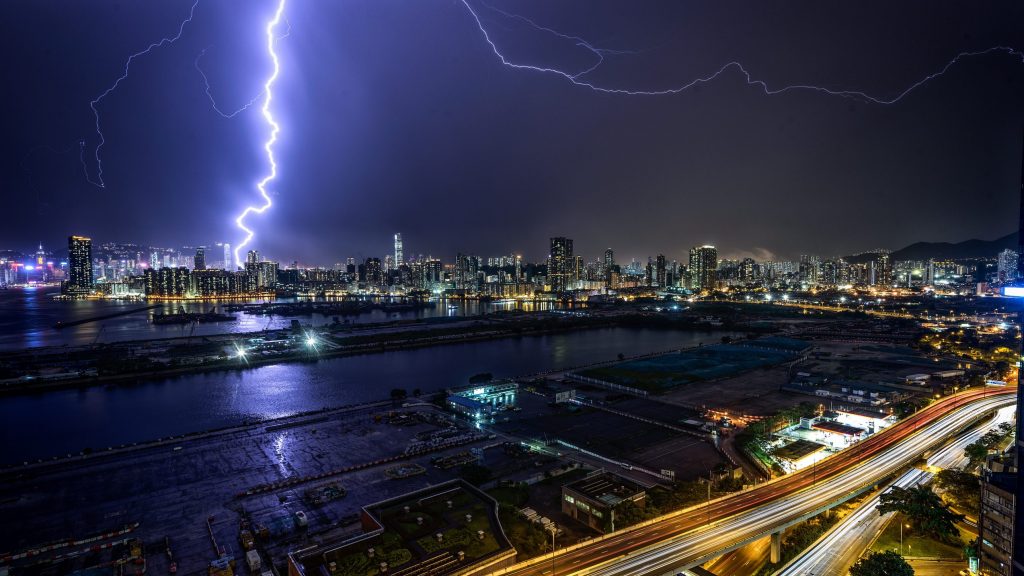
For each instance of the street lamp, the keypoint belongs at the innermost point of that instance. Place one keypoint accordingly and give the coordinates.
(552, 549)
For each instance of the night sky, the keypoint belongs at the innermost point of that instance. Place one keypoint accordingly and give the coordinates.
(397, 117)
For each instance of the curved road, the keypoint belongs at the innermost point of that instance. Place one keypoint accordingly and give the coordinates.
(837, 550)
(689, 537)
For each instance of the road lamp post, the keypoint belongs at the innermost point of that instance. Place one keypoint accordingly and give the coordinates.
(552, 549)
(709, 497)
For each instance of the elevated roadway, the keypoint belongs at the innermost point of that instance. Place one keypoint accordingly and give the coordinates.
(690, 537)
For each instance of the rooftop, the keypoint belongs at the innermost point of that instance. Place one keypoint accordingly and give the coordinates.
(797, 450)
(403, 532)
(863, 412)
(606, 487)
(837, 428)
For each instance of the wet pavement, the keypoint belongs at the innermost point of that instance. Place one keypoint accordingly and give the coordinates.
(174, 489)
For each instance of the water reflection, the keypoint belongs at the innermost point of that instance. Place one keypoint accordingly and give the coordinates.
(27, 317)
(65, 421)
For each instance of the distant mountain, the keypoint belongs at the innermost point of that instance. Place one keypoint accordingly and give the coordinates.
(967, 249)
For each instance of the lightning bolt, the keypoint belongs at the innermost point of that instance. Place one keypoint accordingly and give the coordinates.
(209, 94)
(268, 146)
(576, 78)
(580, 42)
(95, 102)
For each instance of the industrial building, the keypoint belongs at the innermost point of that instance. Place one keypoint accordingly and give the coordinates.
(484, 400)
(799, 454)
(592, 500)
(447, 529)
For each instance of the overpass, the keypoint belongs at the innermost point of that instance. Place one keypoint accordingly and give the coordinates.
(844, 543)
(687, 538)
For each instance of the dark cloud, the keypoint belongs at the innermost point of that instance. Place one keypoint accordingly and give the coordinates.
(397, 116)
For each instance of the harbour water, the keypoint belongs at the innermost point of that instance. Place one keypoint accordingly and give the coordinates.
(61, 422)
(28, 316)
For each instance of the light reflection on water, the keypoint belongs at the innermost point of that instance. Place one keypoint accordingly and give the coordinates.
(27, 317)
(63, 421)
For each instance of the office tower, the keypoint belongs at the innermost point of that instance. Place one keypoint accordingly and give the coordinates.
(199, 262)
(1018, 487)
(252, 257)
(79, 265)
(466, 272)
(398, 250)
(579, 268)
(519, 268)
(809, 269)
(229, 263)
(659, 271)
(373, 272)
(608, 265)
(560, 264)
(829, 273)
(266, 275)
(703, 268)
(881, 271)
(748, 270)
(1006, 265)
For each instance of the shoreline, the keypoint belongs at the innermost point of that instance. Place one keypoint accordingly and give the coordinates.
(379, 344)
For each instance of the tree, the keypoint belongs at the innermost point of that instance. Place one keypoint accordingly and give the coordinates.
(926, 511)
(977, 451)
(398, 394)
(886, 563)
(963, 487)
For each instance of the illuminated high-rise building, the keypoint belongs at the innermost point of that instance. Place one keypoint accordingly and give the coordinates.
(1018, 442)
(703, 268)
(229, 263)
(374, 273)
(79, 265)
(252, 257)
(660, 271)
(1006, 265)
(748, 270)
(398, 250)
(199, 262)
(561, 265)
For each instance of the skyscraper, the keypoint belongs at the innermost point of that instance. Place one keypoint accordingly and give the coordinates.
(561, 266)
(79, 265)
(1007, 265)
(199, 263)
(398, 250)
(229, 263)
(1018, 512)
(703, 268)
(374, 273)
(659, 271)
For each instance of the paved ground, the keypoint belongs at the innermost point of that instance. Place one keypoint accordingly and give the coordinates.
(173, 488)
(755, 392)
(937, 567)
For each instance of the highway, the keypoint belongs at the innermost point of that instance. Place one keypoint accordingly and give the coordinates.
(837, 550)
(692, 536)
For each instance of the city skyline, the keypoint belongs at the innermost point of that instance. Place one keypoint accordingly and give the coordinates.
(662, 171)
